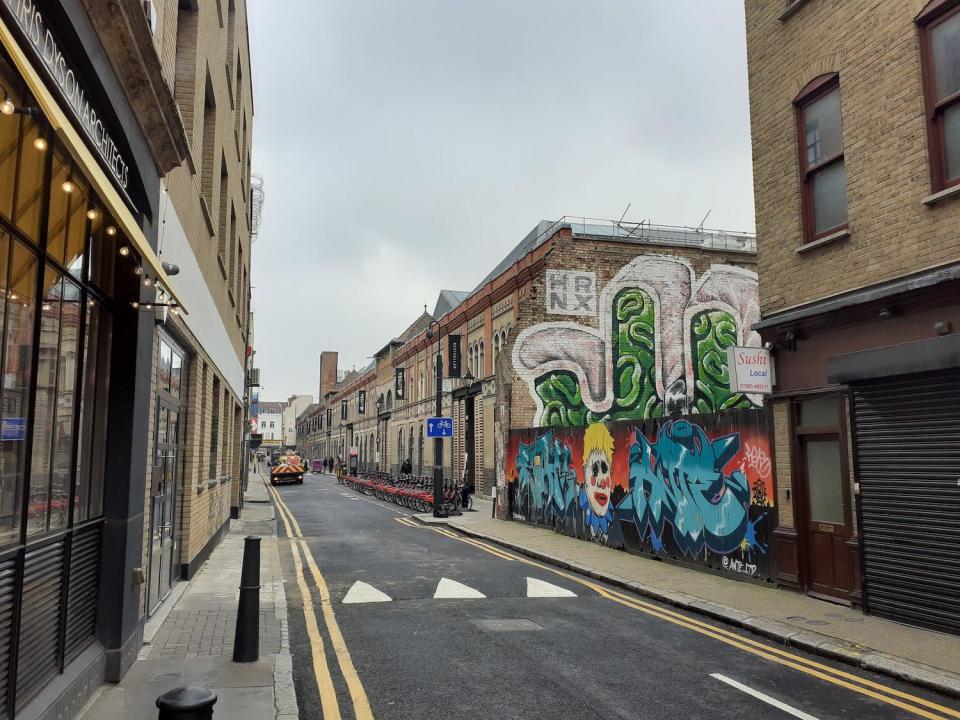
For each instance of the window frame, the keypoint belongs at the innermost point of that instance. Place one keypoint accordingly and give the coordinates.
(936, 13)
(816, 89)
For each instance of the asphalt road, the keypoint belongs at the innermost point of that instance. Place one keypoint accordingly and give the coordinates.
(594, 652)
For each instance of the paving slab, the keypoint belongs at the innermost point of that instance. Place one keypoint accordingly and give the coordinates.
(191, 643)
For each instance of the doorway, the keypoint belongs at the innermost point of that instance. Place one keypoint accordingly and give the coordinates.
(165, 479)
(469, 474)
(824, 489)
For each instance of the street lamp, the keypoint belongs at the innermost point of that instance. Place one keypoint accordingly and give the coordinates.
(438, 511)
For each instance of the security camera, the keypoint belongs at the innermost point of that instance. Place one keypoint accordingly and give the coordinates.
(170, 268)
(768, 345)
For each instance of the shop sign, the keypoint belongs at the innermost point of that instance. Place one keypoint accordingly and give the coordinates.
(453, 344)
(34, 28)
(399, 383)
(362, 402)
(750, 369)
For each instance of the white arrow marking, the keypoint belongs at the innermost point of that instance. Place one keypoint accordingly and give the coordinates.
(453, 589)
(362, 592)
(540, 589)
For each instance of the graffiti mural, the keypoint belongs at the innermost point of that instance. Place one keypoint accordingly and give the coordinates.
(696, 488)
(661, 346)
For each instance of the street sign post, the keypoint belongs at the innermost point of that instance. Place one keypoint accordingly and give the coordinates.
(439, 427)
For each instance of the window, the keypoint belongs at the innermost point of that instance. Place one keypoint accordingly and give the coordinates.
(215, 428)
(824, 200)
(272, 425)
(940, 53)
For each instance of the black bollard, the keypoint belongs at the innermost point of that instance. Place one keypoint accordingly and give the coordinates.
(246, 640)
(187, 703)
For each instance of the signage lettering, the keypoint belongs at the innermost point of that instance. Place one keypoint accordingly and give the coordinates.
(750, 370)
(44, 45)
(399, 382)
(362, 402)
(453, 346)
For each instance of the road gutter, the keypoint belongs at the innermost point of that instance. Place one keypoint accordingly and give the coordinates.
(859, 656)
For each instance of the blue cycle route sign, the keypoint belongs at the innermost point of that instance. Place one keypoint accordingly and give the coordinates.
(439, 427)
(13, 428)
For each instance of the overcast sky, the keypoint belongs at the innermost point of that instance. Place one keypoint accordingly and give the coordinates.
(407, 145)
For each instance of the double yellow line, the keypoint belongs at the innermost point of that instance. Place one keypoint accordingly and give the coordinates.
(905, 701)
(321, 669)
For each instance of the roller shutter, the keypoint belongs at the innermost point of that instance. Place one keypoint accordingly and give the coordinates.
(907, 438)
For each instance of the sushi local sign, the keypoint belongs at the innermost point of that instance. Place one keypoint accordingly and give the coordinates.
(751, 370)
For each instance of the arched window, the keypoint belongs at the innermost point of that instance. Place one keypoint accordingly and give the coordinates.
(420, 396)
(470, 357)
(389, 399)
(409, 455)
(399, 446)
(481, 367)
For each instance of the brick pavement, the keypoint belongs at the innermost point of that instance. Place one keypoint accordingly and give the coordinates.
(194, 642)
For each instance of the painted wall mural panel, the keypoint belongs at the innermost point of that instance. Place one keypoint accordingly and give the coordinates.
(696, 488)
(660, 347)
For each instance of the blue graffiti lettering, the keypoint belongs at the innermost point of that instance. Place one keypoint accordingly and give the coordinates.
(544, 471)
(679, 480)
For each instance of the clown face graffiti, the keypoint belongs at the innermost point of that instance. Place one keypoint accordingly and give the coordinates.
(597, 481)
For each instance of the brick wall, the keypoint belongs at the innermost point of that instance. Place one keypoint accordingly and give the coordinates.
(874, 47)
(608, 261)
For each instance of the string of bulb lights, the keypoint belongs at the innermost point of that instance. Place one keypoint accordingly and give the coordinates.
(8, 107)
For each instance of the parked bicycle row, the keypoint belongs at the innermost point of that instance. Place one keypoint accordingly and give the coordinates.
(411, 491)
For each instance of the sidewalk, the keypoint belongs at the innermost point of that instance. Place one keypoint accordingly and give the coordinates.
(922, 657)
(191, 642)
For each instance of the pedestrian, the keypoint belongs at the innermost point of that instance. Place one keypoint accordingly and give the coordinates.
(406, 468)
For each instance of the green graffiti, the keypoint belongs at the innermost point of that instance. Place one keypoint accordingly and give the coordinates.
(634, 366)
(711, 333)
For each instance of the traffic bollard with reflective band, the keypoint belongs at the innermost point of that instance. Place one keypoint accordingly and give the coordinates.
(246, 640)
(187, 703)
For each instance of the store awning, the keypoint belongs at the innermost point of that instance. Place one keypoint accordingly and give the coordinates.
(75, 143)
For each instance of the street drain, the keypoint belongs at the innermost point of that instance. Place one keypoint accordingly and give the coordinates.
(507, 625)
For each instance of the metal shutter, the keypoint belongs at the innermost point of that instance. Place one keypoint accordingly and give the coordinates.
(39, 650)
(907, 436)
(82, 592)
(8, 589)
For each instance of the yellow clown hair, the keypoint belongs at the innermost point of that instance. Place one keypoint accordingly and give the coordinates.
(597, 437)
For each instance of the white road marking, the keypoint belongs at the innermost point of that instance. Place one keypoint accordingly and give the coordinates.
(540, 589)
(765, 698)
(452, 589)
(362, 592)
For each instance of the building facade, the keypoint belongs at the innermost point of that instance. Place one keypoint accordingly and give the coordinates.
(271, 423)
(856, 186)
(296, 405)
(195, 450)
(87, 131)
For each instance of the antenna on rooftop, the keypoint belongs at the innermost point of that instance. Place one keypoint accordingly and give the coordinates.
(700, 227)
(624, 213)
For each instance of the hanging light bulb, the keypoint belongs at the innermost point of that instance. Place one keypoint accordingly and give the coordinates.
(124, 251)
(147, 282)
(40, 144)
(92, 214)
(148, 306)
(14, 296)
(68, 186)
(138, 270)
(47, 306)
(7, 107)
(135, 305)
(174, 309)
(111, 230)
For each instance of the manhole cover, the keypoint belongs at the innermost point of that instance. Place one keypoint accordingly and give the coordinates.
(507, 625)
